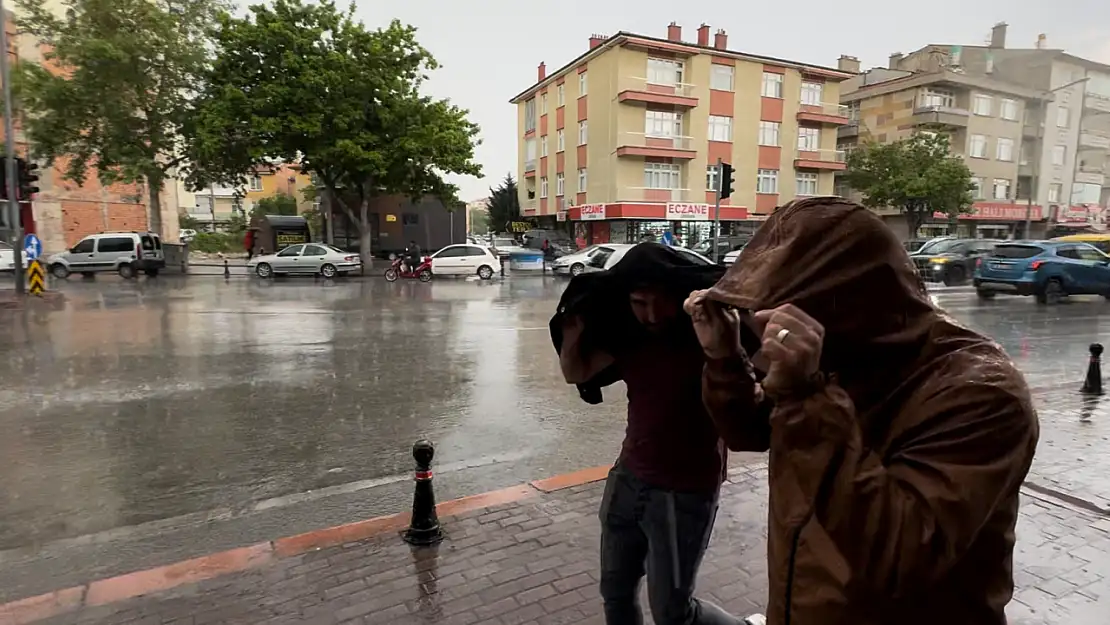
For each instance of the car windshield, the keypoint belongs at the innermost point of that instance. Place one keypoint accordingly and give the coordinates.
(335, 249)
(940, 247)
(504, 242)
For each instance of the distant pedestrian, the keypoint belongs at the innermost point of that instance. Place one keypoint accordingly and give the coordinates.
(899, 439)
(248, 242)
(660, 499)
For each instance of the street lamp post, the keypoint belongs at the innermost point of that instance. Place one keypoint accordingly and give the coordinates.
(1038, 126)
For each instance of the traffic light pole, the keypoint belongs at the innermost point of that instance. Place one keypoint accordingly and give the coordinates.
(9, 162)
(716, 211)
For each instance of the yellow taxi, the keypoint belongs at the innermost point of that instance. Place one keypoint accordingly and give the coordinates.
(1099, 240)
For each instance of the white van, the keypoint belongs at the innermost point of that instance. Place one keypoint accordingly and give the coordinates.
(125, 253)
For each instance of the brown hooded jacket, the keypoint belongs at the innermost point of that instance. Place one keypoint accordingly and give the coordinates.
(894, 483)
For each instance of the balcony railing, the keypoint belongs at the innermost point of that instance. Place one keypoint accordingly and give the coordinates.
(825, 108)
(1097, 103)
(528, 204)
(644, 194)
(636, 83)
(640, 139)
(940, 114)
(821, 159)
(530, 165)
(1094, 139)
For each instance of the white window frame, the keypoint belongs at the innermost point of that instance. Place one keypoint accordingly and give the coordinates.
(977, 190)
(1063, 117)
(809, 180)
(711, 178)
(809, 139)
(772, 85)
(530, 115)
(720, 128)
(1004, 149)
(543, 102)
(767, 181)
(811, 93)
(256, 183)
(561, 94)
(1054, 191)
(982, 105)
(936, 97)
(583, 83)
(769, 133)
(667, 176)
(668, 72)
(530, 150)
(543, 146)
(721, 77)
(973, 142)
(1008, 110)
(560, 184)
(1062, 151)
(664, 124)
(583, 179)
(543, 186)
(560, 140)
(1004, 185)
(583, 132)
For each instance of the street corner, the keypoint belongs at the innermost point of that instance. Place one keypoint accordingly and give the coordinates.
(47, 300)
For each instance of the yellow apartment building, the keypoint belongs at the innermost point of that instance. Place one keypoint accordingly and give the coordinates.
(279, 178)
(623, 140)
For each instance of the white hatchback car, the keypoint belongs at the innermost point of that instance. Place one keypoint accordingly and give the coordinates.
(604, 256)
(305, 258)
(7, 257)
(465, 259)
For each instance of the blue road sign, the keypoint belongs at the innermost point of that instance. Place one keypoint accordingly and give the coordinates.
(32, 247)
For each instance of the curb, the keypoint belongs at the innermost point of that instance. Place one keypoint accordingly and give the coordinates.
(145, 582)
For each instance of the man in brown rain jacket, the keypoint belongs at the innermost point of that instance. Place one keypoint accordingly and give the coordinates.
(898, 439)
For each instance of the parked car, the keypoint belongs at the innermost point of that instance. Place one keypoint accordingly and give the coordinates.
(125, 253)
(608, 254)
(951, 261)
(504, 246)
(465, 259)
(573, 264)
(7, 257)
(1047, 270)
(725, 246)
(305, 259)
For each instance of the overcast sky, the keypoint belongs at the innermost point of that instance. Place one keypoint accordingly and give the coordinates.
(489, 49)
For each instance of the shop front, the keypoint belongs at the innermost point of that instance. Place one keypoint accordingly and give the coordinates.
(987, 220)
(629, 222)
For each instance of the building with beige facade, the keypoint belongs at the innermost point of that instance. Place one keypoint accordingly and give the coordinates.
(623, 140)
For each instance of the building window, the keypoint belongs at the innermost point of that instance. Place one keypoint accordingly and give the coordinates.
(711, 178)
(1004, 150)
(720, 128)
(977, 188)
(1023, 159)
(530, 115)
(662, 124)
(1001, 189)
(767, 181)
(543, 145)
(530, 154)
(811, 92)
(769, 133)
(582, 179)
(807, 183)
(543, 102)
(256, 183)
(560, 183)
(560, 140)
(582, 81)
(543, 187)
(720, 77)
(583, 132)
(1009, 110)
(809, 139)
(1054, 190)
(978, 146)
(1059, 154)
(936, 97)
(1063, 116)
(410, 219)
(772, 85)
(662, 176)
(560, 94)
(664, 71)
(982, 105)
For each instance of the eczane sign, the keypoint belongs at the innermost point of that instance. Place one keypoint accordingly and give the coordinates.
(592, 212)
(679, 211)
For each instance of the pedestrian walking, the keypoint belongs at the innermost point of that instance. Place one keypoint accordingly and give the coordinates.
(899, 439)
(660, 498)
(248, 243)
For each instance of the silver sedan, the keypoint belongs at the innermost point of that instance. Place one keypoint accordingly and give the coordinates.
(307, 258)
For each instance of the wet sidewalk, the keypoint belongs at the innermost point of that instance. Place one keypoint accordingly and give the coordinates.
(528, 554)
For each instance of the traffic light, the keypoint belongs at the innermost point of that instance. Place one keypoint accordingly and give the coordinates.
(28, 179)
(726, 181)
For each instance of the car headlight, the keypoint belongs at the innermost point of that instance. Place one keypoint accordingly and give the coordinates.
(938, 261)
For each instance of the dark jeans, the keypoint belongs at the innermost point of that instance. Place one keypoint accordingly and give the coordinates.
(666, 531)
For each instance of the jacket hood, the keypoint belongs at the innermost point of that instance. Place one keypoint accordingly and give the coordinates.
(839, 263)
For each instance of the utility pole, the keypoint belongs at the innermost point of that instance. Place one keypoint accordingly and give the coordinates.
(9, 162)
(717, 212)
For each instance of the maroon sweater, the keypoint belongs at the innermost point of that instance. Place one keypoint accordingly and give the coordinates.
(670, 441)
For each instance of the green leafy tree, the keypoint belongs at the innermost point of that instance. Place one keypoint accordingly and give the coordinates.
(917, 175)
(117, 87)
(504, 205)
(307, 83)
(278, 204)
(479, 221)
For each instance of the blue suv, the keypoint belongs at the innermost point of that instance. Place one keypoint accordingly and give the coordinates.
(1047, 270)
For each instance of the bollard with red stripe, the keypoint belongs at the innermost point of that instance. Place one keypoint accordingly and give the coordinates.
(424, 528)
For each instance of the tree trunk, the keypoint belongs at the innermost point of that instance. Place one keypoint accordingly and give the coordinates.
(154, 187)
(364, 232)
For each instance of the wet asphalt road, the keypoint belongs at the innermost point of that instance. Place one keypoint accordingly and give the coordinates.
(152, 421)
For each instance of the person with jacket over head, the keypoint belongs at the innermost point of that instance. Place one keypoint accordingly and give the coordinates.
(898, 438)
(660, 499)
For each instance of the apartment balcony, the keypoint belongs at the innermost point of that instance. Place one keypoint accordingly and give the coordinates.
(528, 204)
(936, 115)
(1094, 140)
(849, 130)
(1091, 173)
(633, 90)
(824, 113)
(1097, 103)
(828, 160)
(530, 168)
(643, 194)
(638, 144)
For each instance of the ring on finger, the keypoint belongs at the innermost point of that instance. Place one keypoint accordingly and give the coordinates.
(782, 335)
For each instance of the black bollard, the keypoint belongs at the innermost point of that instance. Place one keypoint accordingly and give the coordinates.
(227, 270)
(424, 528)
(1093, 384)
